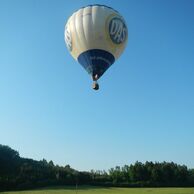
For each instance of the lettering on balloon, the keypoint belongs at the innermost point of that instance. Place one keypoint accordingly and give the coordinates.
(117, 30)
(68, 39)
(101, 58)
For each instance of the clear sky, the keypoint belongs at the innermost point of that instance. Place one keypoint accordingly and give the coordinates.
(144, 109)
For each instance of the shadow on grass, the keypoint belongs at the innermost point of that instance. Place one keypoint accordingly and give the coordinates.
(85, 187)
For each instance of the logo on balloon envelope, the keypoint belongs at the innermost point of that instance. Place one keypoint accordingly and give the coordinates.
(68, 39)
(117, 30)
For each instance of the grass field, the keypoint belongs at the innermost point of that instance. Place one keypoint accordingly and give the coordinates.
(99, 190)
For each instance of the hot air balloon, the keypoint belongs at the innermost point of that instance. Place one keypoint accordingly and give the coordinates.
(96, 35)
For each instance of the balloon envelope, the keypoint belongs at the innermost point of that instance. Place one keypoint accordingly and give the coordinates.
(96, 35)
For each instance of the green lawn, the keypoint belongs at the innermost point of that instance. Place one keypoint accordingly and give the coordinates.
(99, 190)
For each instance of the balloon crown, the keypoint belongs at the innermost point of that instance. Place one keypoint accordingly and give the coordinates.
(100, 6)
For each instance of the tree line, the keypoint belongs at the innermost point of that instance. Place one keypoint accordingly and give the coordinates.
(17, 173)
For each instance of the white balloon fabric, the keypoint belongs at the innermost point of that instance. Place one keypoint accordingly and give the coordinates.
(96, 35)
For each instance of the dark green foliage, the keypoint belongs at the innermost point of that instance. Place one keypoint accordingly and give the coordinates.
(152, 174)
(21, 173)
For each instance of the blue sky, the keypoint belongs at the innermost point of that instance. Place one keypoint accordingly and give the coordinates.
(144, 109)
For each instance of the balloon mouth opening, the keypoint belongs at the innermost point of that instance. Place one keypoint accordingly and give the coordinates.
(95, 77)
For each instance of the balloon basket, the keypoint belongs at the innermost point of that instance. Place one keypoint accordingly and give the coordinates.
(95, 86)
